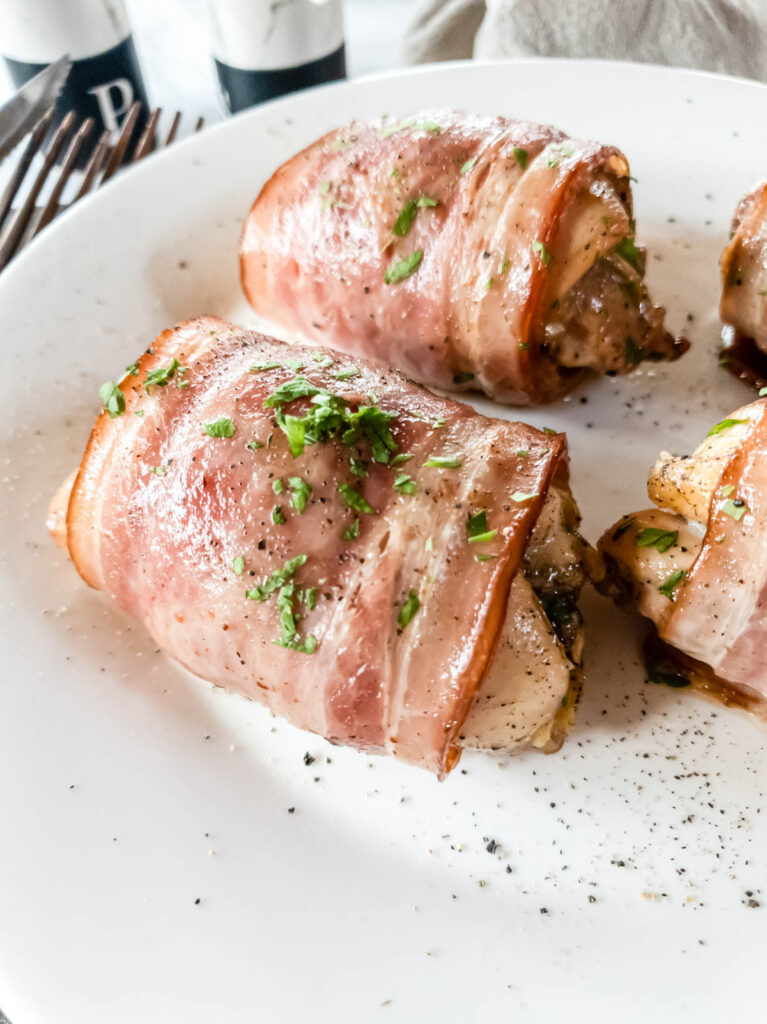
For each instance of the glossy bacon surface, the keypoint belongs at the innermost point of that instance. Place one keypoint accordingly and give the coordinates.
(512, 215)
(161, 513)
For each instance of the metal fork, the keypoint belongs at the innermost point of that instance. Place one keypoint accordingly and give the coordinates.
(26, 221)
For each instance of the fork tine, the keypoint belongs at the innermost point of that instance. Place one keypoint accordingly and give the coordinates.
(173, 128)
(94, 165)
(30, 150)
(52, 206)
(147, 140)
(118, 153)
(19, 224)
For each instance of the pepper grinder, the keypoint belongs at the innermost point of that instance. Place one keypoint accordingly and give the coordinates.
(105, 79)
(264, 49)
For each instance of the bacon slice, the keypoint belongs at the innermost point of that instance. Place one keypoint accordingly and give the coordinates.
(713, 607)
(161, 514)
(507, 293)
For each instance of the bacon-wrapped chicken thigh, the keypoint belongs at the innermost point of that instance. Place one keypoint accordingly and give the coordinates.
(743, 306)
(382, 566)
(468, 252)
(696, 564)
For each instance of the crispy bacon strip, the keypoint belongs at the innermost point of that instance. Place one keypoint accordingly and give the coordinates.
(465, 251)
(700, 571)
(402, 617)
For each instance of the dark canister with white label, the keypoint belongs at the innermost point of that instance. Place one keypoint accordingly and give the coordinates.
(105, 79)
(264, 49)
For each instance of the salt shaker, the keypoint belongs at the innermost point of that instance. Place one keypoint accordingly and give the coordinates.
(105, 79)
(263, 49)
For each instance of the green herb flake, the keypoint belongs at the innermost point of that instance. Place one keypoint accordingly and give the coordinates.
(299, 387)
(222, 427)
(261, 367)
(278, 487)
(289, 623)
(477, 528)
(428, 546)
(353, 499)
(113, 399)
(276, 580)
(294, 364)
(762, 392)
(723, 425)
(481, 557)
(522, 453)
(402, 269)
(346, 374)
(358, 467)
(161, 376)
(140, 412)
(727, 490)
(665, 674)
(628, 250)
(278, 516)
(520, 155)
(323, 359)
(301, 491)
(407, 611)
(324, 187)
(253, 445)
(401, 457)
(667, 588)
(634, 354)
(735, 507)
(238, 565)
(132, 369)
(442, 462)
(469, 165)
(542, 252)
(351, 532)
(520, 496)
(157, 470)
(405, 484)
(439, 422)
(661, 540)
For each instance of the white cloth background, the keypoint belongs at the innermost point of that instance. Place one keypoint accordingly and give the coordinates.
(728, 36)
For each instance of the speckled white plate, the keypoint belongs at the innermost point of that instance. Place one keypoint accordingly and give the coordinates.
(168, 854)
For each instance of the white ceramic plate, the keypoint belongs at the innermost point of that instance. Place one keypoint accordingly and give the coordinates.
(150, 869)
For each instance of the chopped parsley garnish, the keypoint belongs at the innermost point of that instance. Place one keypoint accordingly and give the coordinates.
(439, 422)
(542, 252)
(634, 354)
(430, 127)
(442, 462)
(428, 546)
(161, 376)
(723, 425)
(358, 467)
(667, 588)
(762, 392)
(398, 271)
(520, 496)
(477, 528)
(407, 214)
(157, 470)
(238, 565)
(132, 369)
(278, 516)
(480, 557)
(139, 412)
(324, 360)
(727, 490)
(299, 387)
(113, 399)
(408, 609)
(665, 674)
(398, 459)
(222, 427)
(294, 364)
(253, 445)
(522, 453)
(468, 165)
(276, 580)
(631, 253)
(405, 484)
(300, 493)
(289, 623)
(278, 487)
(353, 499)
(346, 374)
(735, 507)
(351, 532)
(520, 155)
(260, 367)
(661, 540)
